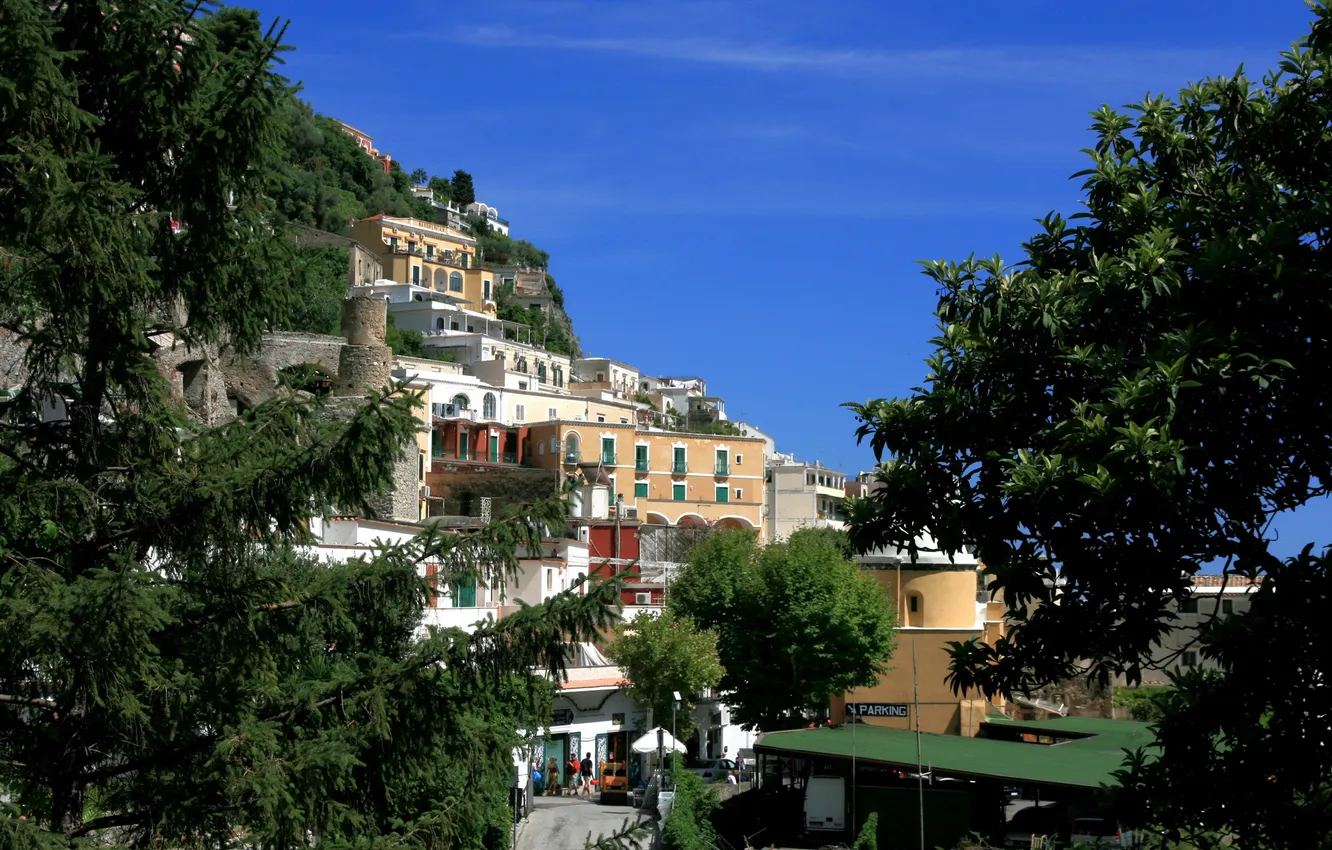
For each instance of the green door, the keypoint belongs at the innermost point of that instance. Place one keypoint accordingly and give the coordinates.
(494, 448)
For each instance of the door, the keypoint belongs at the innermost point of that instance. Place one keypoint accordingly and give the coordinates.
(554, 749)
(494, 448)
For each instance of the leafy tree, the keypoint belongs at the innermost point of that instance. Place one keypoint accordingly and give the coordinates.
(796, 622)
(403, 342)
(174, 663)
(461, 189)
(689, 825)
(321, 289)
(442, 189)
(1143, 704)
(661, 655)
(1133, 403)
(868, 837)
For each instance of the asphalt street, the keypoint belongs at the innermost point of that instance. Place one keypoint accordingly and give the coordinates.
(564, 823)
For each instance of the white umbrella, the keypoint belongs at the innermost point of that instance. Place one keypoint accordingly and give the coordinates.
(648, 743)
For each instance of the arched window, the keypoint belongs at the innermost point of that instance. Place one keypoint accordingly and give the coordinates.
(541, 372)
(441, 278)
(455, 281)
(460, 401)
(488, 406)
(439, 324)
(571, 448)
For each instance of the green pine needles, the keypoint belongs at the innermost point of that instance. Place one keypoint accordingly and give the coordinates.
(175, 668)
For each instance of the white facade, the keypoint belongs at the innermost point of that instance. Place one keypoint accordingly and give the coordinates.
(491, 215)
(802, 495)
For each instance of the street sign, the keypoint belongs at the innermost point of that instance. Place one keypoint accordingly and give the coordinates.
(877, 709)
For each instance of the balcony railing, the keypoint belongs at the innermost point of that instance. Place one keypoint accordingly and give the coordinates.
(679, 467)
(475, 457)
(723, 467)
(607, 458)
(641, 465)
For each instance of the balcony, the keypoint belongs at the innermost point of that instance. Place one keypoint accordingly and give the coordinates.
(679, 467)
(571, 457)
(607, 458)
(449, 454)
(468, 456)
(723, 467)
(641, 465)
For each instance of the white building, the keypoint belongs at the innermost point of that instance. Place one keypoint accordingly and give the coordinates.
(803, 495)
(490, 214)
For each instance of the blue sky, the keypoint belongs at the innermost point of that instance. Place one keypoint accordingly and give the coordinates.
(740, 189)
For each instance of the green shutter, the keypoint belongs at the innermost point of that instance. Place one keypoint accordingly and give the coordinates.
(723, 494)
(640, 489)
(678, 492)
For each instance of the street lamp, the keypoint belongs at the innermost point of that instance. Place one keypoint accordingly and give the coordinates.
(674, 708)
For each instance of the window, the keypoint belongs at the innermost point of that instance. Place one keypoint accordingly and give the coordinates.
(522, 385)
(739, 494)
(678, 492)
(723, 462)
(1188, 605)
(641, 458)
(455, 282)
(723, 494)
(610, 479)
(624, 420)
(913, 604)
(571, 448)
(439, 324)
(541, 373)
(393, 243)
(416, 275)
(739, 459)
(608, 450)
(679, 465)
(1227, 606)
(460, 401)
(552, 413)
(541, 448)
(488, 406)
(554, 445)
(430, 251)
(550, 579)
(485, 290)
(1188, 659)
(640, 489)
(519, 412)
(601, 417)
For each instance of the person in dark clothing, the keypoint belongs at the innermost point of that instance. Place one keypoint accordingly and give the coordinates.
(585, 769)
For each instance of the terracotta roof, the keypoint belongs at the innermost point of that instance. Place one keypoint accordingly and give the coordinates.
(593, 684)
(1225, 581)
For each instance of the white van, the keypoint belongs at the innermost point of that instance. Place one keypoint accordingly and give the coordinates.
(825, 804)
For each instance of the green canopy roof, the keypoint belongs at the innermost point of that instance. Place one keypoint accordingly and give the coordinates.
(1087, 754)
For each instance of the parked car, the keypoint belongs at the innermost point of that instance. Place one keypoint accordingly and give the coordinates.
(713, 770)
(1047, 821)
(1100, 832)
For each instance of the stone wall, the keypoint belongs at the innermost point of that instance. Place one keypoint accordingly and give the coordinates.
(13, 373)
(252, 379)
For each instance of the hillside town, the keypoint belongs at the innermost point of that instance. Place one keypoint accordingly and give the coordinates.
(318, 526)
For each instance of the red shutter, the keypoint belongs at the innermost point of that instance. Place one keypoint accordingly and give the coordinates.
(432, 570)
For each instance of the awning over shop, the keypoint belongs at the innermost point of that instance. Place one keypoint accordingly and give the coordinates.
(648, 743)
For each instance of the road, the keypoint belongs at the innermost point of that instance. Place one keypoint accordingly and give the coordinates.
(563, 823)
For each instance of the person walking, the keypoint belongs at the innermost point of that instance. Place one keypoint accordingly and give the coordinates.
(553, 777)
(585, 771)
(574, 769)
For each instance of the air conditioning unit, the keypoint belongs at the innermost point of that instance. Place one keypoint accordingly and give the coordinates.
(642, 598)
(630, 513)
(425, 491)
(450, 410)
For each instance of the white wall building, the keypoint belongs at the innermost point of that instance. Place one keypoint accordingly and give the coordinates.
(491, 215)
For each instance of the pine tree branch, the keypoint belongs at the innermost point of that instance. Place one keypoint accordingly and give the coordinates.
(50, 705)
(106, 822)
(241, 612)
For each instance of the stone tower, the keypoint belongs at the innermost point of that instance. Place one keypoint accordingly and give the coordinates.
(365, 363)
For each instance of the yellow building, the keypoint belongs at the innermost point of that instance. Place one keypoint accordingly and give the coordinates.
(664, 477)
(937, 602)
(430, 255)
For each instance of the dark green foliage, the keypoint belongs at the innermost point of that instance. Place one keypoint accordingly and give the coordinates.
(556, 294)
(501, 250)
(662, 656)
(321, 178)
(419, 177)
(442, 189)
(321, 288)
(1133, 403)
(172, 662)
(403, 342)
(868, 838)
(461, 189)
(689, 825)
(1143, 704)
(796, 622)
